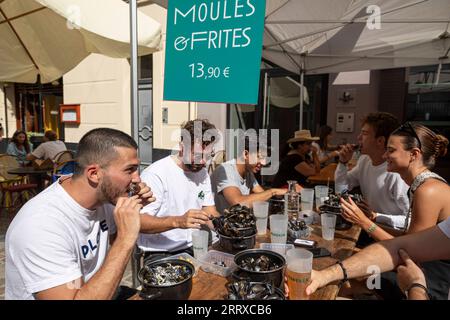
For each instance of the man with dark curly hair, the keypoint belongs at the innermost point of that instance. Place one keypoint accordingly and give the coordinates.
(182, 187)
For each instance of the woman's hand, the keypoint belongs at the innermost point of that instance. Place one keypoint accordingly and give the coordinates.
(352, 213)
(364, 206)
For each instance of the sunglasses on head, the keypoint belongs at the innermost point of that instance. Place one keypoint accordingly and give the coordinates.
(407, 127)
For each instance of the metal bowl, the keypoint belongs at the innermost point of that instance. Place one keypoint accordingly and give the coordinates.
(177, 291)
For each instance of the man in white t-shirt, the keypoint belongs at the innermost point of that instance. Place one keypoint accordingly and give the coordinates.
(385, 192)
(57, 245)
(49, 148)
(428, 245)
(234, 181)
(182, 188)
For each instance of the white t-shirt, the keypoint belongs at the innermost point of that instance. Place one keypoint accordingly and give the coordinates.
(386, 192)
(445, 227)
(226, 175)
(49, 149)
(52, 241)
(176, 191)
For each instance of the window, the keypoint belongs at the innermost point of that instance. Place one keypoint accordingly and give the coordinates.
(145, 67)
(429, 95)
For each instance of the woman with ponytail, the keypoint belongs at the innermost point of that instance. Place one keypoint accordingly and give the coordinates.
(412, 152)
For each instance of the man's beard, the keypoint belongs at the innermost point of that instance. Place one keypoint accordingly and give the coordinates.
(109, 193)
(194, 167)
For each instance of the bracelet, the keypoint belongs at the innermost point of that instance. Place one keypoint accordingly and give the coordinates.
(344, 272)
(417, 285)
(372, 228)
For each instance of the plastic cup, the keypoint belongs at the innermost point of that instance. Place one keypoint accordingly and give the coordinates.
(328, 222)
(261, 211)
(299, 266)
(340, 188)
(321, 194)
(307, 196)
(200, 243)
(278, 228)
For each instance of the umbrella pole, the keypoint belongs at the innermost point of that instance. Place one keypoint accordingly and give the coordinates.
(265, 101)
(133, 71)
(302, 80)
(6, 110)
(134, 114)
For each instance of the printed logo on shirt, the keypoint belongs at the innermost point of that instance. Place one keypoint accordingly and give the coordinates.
(90, 246)
(201, 195)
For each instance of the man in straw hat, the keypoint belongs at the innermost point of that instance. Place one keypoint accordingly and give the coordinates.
(296, 164)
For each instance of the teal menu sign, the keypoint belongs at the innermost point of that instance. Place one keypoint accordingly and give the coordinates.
(213, 50)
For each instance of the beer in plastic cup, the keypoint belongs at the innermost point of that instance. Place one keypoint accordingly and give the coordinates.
(298, 272)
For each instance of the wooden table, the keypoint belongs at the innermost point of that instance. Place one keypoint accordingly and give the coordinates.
(326, 174)
(208, 286)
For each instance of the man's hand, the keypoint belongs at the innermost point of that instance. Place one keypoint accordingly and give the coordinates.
(317, 281)
(346, 153)
(333, 154)
(409, 272)
(127, 219)
(192, 219)
(365, 208)
(279, 192)
(145, 194)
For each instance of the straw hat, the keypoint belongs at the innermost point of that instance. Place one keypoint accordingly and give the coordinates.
(302, 135)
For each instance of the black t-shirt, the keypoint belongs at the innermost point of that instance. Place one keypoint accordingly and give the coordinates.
(287, 171)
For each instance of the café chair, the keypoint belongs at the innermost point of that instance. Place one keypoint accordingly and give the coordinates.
(63, 168)
(63, 157)
(11, 185)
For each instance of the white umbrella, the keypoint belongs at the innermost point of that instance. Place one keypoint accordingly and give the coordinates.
(330, 36)
(50, 37)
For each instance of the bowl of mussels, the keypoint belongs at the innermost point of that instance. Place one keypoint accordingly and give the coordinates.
(236, 229)
(333, 205)
(246, 290)
(259, 265)
(166, 280)
(298, 229)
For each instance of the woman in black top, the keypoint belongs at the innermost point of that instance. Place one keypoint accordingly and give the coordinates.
(297, 164)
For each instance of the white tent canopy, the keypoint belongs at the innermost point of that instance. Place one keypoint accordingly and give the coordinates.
(330, 36)
(50, 37)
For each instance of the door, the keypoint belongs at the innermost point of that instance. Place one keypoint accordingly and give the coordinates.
(145, 121)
